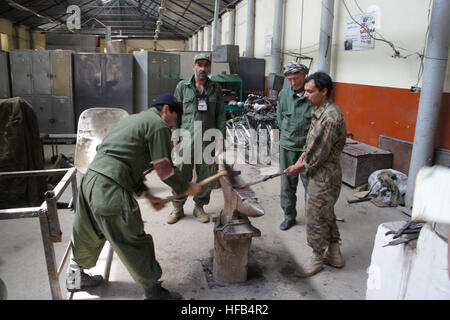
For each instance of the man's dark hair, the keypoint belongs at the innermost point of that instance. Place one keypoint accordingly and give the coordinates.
(322, 81)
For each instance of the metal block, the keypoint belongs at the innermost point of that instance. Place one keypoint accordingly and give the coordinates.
(359, 160)
(226, 53)
(275, 82)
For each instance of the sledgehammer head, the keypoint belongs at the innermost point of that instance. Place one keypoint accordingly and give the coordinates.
(231, 175)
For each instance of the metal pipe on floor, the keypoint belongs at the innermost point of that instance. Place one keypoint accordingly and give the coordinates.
(435, 62)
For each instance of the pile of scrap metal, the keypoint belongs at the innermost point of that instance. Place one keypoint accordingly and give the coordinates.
(409, 231)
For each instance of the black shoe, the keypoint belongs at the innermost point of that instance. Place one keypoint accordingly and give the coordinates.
(158, 292)
(79, 280)
(287, 224)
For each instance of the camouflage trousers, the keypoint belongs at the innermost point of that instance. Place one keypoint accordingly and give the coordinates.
(324, 187)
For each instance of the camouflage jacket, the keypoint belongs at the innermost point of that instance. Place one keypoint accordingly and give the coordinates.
(325, 141)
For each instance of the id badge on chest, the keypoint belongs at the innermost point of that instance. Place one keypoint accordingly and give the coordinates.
(202, 103)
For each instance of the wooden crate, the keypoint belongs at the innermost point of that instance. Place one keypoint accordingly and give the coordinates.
(359, 160)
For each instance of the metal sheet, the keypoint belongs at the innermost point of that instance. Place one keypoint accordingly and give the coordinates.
(252, 71)
(41, 76)
(62, 73)
(21, 70)
(5, 82)
(87, 72)
(118, 86)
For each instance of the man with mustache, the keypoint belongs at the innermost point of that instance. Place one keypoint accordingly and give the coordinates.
(202, 101)
(321, 160)
(294, 118)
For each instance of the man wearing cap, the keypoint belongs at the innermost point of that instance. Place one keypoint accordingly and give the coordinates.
(294, 119)
(106, 206)
(202, 105)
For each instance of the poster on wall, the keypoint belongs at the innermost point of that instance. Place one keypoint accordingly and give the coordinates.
(358, 35)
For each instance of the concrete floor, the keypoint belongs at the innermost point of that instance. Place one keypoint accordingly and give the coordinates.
(185, 251)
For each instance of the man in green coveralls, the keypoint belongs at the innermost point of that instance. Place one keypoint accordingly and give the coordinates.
(203, 109)
(321, 160)
(294, 119)
(106, 208)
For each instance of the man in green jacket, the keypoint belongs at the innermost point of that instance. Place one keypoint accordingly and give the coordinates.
(106, 208)
(294, 119)
(203, 109)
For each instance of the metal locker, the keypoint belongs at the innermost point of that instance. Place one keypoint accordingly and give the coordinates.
(102, 80)
(155, 73)
(61, 73)
(62, 115)
(42, 75)
(118, 81)
(87, 75)
(5, 86)
(21, 72)
(42, 105)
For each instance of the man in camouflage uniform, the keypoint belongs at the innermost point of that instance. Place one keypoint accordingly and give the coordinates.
(294, 118)
(106, 208)
(202, 101)
(324, 144)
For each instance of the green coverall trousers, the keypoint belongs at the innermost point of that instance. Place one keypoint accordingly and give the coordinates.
(289, 185)
(106, 211)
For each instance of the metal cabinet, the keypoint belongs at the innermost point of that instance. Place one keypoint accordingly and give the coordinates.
(155, 73)
(5, 82)
(44, 79)
(103, 80)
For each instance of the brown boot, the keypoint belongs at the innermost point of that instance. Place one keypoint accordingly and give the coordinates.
(313, 266)
(177, 212)
(333, 257)
(201, 215)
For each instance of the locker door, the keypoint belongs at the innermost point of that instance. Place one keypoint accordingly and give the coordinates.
(118, 85)
(42, 105)
(154, 76)
(41, 72)
(61, 73)
(21, 70)
(63, 115)
(5, 88)
(87, 75)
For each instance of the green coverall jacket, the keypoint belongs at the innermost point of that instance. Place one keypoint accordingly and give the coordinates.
(294, 119)
(106, 207)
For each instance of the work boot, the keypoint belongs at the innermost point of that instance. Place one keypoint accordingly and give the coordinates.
(201, 215)
(158, 292)
(313, 266)
(177, 212)
(333, 257)
(287, 224)
(78, 280)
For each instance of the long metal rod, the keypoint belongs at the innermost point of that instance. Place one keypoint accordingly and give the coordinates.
(216, 25)
(64, 259)
(435, 62)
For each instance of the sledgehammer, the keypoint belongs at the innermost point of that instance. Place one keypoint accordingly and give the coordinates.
(229, 172)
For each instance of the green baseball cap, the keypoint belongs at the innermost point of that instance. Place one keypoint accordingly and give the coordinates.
(202, 56)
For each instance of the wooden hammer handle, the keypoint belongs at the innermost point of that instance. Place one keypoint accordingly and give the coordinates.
(202, 183)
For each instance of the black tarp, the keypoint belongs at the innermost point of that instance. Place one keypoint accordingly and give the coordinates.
(20, 150)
